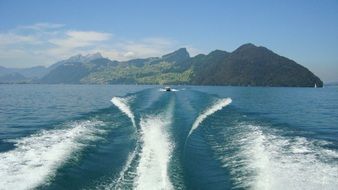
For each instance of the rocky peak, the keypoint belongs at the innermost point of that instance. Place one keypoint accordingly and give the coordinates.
(178, 55)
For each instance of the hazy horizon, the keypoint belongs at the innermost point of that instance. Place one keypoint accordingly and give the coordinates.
(41, 33)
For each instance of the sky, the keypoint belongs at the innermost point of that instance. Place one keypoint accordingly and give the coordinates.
(40, 32)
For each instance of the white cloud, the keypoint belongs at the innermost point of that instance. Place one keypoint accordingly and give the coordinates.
(129, 54)
(11, 38)
(75, 39)
(46, 43)
(41, 26)
(147, 47)
(18, 58)
(69, 43)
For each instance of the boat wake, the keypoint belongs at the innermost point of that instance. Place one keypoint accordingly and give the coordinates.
(218, 105)
(37, 157)
(122, 104)
(265, 160)
(152, 170)
(147, 165)
(184, 140)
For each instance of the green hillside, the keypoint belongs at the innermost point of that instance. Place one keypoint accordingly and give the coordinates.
(248, 65)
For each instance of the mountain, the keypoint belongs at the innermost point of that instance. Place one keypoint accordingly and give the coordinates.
(71, 71)
(171, 68)
(31, 72)
(177, 56)
(19, 75)
(85, 58)
(12, 78)
(4, 71)
(248, 65)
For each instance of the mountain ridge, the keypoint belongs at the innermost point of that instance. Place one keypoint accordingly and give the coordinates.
(248, 65)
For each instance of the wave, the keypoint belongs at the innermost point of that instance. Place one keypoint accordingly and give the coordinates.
(121, 181)
(37, 157)
(265, 160)
(152, 170)
(122, 104)
(218, 105)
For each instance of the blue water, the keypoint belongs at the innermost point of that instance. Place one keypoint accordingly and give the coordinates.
(140, 137)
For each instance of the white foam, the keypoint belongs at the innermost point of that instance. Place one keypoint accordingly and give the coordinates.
(268, 161)
(152, 170)
(218, 105)
(119, 182)
(122, 104)
(36, 158)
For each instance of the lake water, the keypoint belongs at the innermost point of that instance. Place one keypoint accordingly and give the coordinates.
(141, 137)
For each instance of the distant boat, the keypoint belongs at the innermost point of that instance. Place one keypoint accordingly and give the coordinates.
(167, 88)
(315, 85)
